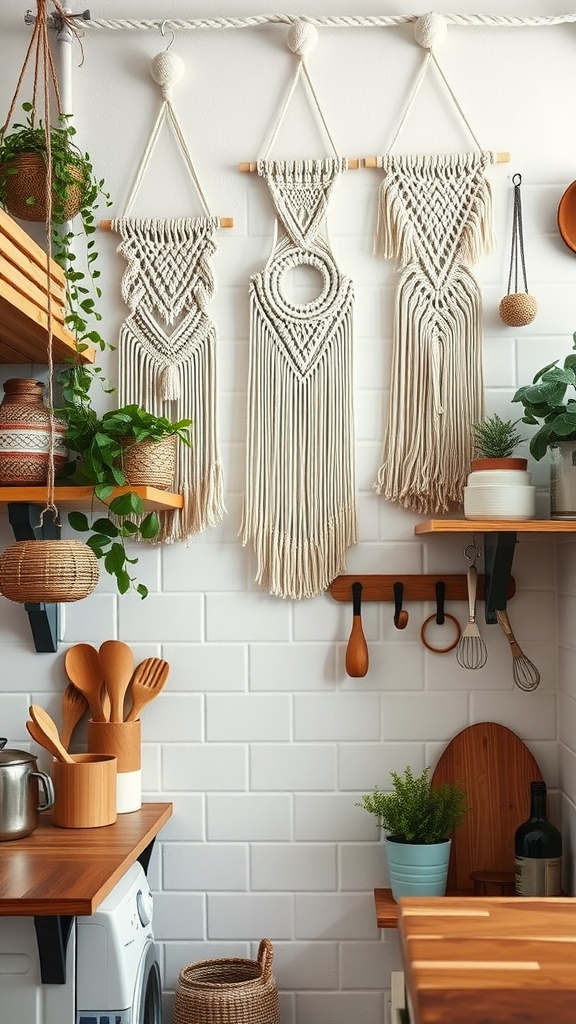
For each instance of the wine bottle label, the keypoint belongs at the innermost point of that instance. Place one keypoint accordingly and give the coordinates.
(538, 876)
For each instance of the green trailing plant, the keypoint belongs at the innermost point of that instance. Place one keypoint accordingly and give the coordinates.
(495, 438)
(97, 442)
(70, 168)
(415, 812)
(550, 403)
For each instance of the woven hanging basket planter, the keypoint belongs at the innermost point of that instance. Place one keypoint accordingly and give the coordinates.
(229, 990)
(151, 463)
(26, 179)
(51, 571)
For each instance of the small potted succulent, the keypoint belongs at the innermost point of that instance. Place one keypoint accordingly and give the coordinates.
(499, 485)
(419, 819)
(550, 403)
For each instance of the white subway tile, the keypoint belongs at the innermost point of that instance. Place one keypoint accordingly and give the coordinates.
(292, 867)
(92, 620)
(178, 916)
(533, 720)
(247, 716)
(246, 617)
(161, 617)
(172, 718)
(187, 820)
(339, 1007)
(431, 716)
(331, 817)
(249, 818)
(292, 766)
(203, 667)
(334, 916)
(338, 716)
(205, 866)
(204, 767)
(306, 965)
(366, 965)
(362, 866)
(294, 666)
(204, 567)
(250, 915)
(365, 765)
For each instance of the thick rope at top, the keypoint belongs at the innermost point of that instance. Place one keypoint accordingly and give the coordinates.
(329, 21)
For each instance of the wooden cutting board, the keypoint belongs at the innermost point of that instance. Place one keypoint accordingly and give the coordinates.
(496, 769)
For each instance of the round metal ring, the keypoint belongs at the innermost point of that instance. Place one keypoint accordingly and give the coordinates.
(440, 650)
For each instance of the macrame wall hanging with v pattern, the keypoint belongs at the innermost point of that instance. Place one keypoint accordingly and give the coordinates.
(435, 219)
(167, 343)
(299, 504)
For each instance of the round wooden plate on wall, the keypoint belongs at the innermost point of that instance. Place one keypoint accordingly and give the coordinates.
(567, 217)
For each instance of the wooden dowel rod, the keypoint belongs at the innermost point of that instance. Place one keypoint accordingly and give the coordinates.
(225, 222)
(416, 588)
(251, 166)
(372, 161)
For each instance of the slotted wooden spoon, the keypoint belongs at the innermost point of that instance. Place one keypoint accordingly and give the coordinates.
(83, 669)
(117, 661)
(148, 681)
(46, 733)
(74, 704)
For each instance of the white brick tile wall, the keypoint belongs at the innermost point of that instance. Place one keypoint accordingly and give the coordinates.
(343, 915)
(205, 868)
(256, 915)
(247, 717)
(343, 716)
(301, 866)
(248, 817)
(205, 767)
(367, 964)
(292, 766)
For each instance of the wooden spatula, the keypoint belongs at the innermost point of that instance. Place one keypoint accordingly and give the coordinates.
(85, 672)
(46, 733)
(148, 681)
(117, 662)
(74, 704)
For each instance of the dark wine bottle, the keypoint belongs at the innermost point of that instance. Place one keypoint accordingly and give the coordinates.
(538, 848)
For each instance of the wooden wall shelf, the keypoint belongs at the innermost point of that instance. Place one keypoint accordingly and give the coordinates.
(24, 289)
(416, 588)
(496, 526)
(82, 497)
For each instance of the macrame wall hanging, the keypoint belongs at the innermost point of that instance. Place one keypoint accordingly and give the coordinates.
(435, 219)
(167, 344)
(517, 309)
(299, 505)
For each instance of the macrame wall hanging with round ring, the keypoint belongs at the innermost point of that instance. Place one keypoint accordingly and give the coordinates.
(517, 308)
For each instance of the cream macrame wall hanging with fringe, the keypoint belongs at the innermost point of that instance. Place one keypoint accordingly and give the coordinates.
(435, 220)
(299, 505)
(167, 344)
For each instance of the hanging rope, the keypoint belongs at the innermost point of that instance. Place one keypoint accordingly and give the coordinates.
(333, 21)
(517, 308)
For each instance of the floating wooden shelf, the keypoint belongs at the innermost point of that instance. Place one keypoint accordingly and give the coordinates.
(81, 497)
(496, 526)
(24, 289)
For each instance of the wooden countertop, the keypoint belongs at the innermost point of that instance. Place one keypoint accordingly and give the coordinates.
(489, 960)
(69, 871)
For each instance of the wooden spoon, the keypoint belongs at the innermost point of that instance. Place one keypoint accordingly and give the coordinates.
(117, 661)
(74, 704)
(147, 682)
(357, 650)
(85, 672)
(46, 733)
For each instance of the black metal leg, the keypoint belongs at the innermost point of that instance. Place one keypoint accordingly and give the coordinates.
(24, 519)
(52, 934)
(498, 557)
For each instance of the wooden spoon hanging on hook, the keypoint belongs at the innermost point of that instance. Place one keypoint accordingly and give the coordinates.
(357, 649)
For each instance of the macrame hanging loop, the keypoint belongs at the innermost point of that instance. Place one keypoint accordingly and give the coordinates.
(430, 30)
(517, 309)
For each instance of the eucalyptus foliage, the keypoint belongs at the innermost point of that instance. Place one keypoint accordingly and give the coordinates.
(97, 442)
(551, 403)
(415, 812)
(495, 438)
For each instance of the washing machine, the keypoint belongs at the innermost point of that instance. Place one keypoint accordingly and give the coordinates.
(112, 967)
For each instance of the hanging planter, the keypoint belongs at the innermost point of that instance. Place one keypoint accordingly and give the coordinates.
(24, 187)
(48, 571)
(517, 309)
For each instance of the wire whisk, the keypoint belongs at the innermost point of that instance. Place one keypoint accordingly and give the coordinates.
(525, 673)
(471, 650)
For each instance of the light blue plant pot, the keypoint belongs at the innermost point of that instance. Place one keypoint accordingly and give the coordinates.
(417, 870)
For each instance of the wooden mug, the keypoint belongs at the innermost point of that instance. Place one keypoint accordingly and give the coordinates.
(85, 791)
(123, 741)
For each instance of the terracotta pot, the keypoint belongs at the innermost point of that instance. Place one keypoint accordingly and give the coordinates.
(511, 463)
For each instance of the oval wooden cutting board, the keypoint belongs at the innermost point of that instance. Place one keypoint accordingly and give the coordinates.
(496, 768)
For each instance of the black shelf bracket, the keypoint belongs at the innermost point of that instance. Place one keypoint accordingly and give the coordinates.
(24, 518)
(498, 557)
(52, 934)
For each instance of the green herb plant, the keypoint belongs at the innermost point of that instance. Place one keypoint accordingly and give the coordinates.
(69, 168)
(415, 812)
(495, 438)
(97, 443)
(550, 403)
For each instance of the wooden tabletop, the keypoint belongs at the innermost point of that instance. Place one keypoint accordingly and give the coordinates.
(70, 870)
(489, 960)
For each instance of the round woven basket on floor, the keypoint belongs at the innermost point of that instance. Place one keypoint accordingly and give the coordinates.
(229, 990)
(49, 571)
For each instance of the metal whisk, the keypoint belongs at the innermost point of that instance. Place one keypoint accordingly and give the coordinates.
(471, 650)
(525, 673)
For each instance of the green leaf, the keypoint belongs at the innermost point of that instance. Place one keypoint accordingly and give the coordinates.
(105, 526)
(142, 590)
(150, 526)
(123, 581)
(115, 559)
(78, 521)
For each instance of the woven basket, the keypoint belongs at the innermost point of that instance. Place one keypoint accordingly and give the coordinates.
(50, 571)
(230, 990)
(518, 309)
(151, 463)
(30, 180)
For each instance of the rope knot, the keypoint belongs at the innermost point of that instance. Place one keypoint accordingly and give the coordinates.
(167, 69)
(430, 30)
(301, 37)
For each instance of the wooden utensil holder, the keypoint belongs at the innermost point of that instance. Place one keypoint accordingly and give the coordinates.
(123, 740)
(85, 791)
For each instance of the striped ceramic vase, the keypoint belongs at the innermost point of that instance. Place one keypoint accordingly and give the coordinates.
(25, 434)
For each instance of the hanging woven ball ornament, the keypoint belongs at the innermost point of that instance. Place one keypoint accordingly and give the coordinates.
(430, 30)
(518, 309)
(167, 69)
(302, 37)
(51, 571)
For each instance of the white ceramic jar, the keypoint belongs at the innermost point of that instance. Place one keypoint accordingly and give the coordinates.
(494, 493)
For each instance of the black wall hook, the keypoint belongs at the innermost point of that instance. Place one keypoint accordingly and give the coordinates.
(440, 597)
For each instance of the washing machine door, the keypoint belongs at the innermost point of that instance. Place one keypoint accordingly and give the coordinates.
(147, 1007)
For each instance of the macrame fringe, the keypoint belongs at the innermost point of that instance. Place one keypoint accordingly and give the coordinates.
(299, 509)
(436, 381)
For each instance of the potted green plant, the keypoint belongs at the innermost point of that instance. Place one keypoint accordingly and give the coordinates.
(76, 192)
(419, 819)
(499, 485)
(550, 404)
(101, 445)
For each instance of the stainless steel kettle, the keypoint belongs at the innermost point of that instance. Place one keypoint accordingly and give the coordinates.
(20, 784)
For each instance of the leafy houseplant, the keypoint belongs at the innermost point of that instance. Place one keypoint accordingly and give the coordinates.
(499, 486)
(99, 442)
(495, 438)
(420, 820)
(75, 191)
